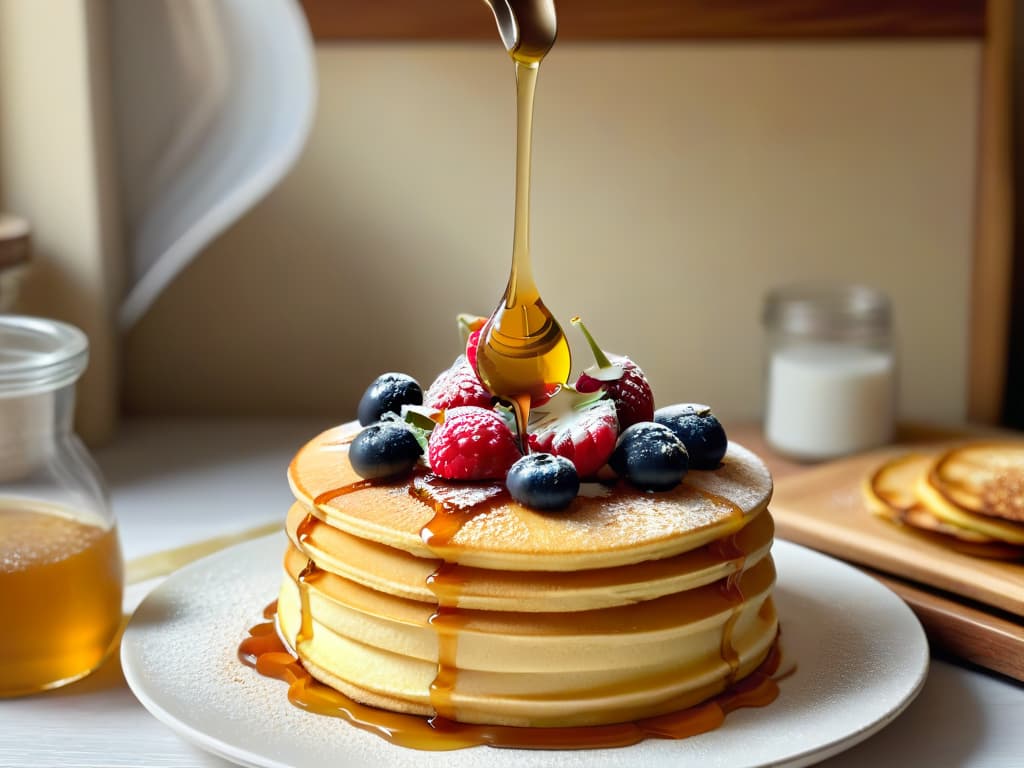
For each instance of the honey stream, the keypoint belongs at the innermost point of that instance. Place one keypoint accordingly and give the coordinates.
(523, 354)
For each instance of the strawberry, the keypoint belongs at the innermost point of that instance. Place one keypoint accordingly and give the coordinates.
(471, 344)
(472, 444)
(622, 379)
(458, 386)
(582, 427)
(470, 327)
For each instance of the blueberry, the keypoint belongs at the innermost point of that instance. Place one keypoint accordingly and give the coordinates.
(389, 392)
(382, 451)
(699, 430)
(650, 456)
(542, 481)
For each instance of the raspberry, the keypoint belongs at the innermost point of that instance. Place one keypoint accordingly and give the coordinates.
(458, 386)
(581, 428)
(472, 444)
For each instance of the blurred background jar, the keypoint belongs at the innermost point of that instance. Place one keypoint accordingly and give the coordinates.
(830, 370)
(61, 573)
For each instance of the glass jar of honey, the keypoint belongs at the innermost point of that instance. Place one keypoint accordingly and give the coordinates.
(61, 573)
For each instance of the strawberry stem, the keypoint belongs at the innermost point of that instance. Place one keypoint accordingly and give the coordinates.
(599, 356)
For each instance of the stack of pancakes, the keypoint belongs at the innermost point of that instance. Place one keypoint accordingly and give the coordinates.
(970, 496)
(449, 599)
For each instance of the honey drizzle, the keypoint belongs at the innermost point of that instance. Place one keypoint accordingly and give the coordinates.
(728, 548)
(344, 490)
(447, 620)
(450, 515)
(446, 583)
(734, 593)
(522, 348)
(264, 651)
(307, 576)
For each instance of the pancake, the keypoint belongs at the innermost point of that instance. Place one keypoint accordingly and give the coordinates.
(396, 572)
(448, 599)
(600, 531)
(533, 668)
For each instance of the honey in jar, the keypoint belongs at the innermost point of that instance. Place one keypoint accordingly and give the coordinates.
(60, 589)
(61, 574)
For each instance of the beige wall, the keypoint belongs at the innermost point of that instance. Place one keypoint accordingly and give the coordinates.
(56, 170)
(673, 185)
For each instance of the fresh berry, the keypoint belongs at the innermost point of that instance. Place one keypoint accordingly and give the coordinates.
(458, 386)
(582, 428)
(543, 481)
(622, 379)
(470, 327)
(700, 431)
(384, 450)
(472, 444)
(650, 456)
(388, 393)
(471, 344)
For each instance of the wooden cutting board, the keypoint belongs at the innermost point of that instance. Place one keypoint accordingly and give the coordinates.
(972, 608)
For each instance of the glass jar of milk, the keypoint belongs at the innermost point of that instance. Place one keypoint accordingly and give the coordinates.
(830, 370)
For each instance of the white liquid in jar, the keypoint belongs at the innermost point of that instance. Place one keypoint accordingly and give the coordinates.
(829, 400)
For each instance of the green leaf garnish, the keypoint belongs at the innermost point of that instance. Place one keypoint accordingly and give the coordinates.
(418, 419)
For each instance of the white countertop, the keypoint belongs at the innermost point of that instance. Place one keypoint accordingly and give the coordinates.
(173, 484)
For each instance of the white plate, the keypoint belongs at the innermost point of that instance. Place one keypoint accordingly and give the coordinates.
(861, 657)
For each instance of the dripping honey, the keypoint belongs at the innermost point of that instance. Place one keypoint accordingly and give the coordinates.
(522, 350)
(60, 596)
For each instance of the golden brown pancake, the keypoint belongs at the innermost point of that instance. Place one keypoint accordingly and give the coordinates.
(627, 526)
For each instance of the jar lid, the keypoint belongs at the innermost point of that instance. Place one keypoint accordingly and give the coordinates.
(38, 354)
(825, 309)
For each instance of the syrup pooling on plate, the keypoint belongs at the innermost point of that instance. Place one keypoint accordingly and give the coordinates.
(264, 651)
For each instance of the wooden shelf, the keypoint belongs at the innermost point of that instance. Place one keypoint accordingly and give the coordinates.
(596, 20)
